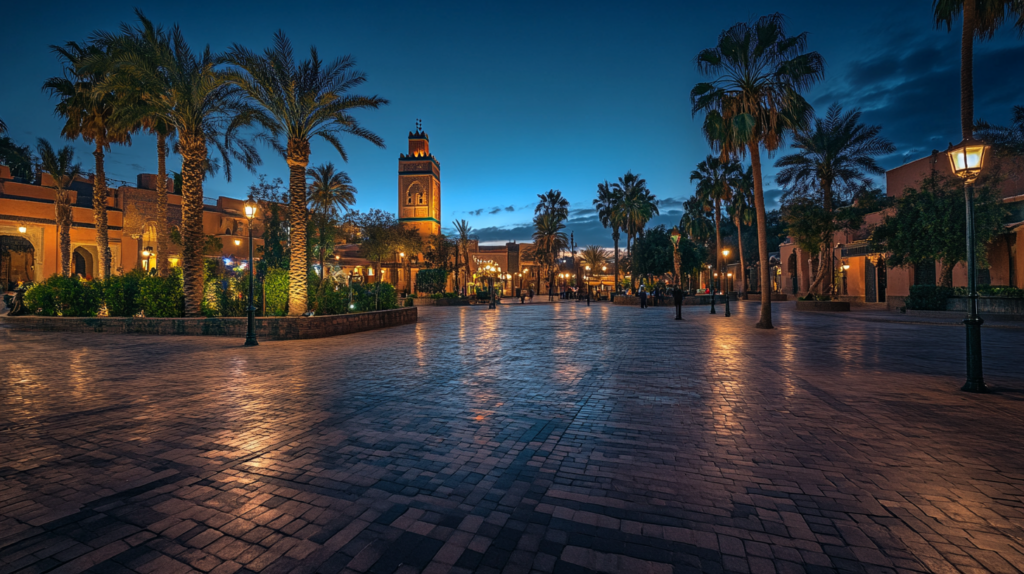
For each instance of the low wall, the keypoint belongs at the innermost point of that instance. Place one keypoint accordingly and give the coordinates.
(267, 328)
(826, 306)
(987, 305)
(428, 302)
(780, 297)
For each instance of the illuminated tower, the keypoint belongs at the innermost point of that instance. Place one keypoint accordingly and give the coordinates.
(419, 186)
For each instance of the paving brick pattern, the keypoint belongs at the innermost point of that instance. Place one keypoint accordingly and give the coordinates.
(537, 438)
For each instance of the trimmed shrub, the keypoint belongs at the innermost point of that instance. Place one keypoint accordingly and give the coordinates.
(331, 300)
(1001, 291)
(431, 280)
(64, 297)
(121, 293)
(162, 296)
(375, 296)
(928, 297)
(275, 290)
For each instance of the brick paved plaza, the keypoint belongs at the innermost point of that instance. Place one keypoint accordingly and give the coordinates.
(538, 438)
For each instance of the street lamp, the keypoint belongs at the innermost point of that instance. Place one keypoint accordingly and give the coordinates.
(238, 242)
(250, 330)
(147, 251)
(712, 289)
(966, 159)
(725, 260)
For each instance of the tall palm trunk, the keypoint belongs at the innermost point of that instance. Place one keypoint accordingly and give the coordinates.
(456, 268)
(298, 159)
(99, 211)
(765, 321)
(615, 239)
(739, 247)
(718, 236)
(162, 244)
(193, 158)
(63, 218)
(967, 69)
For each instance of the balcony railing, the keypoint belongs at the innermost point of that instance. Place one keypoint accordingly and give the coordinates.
(859, 249)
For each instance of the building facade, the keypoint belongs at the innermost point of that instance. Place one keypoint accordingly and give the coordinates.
(869, 279)
(29, 249)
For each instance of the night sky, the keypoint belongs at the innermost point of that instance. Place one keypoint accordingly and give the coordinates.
(519, 98)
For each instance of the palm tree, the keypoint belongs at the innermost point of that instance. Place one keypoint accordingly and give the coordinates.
(550, 241)
(62, 168)
(328, 190)
(741, 210)
(205, 110)
(595, 256)
(463, 229)
(3, 127)
(86, 107)
(552, 202)
(831, 163)
(302, 101)
(637, 206)
(1006, 140)
(695, 223)
(981, 20)
(608, 206)
(754, 101)
(713, 178)
(136, 56)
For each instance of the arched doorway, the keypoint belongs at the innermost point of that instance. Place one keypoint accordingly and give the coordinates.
(17, 261)
(83, 262)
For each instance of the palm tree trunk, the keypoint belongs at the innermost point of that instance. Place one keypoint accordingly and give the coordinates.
(967, 70)
(162, 244)
(63, 218)
(615, 238)
(765, 321)
(676, 263)
(99, 211)
(456, 268)
(193, 157)
(298, 159)
(718, 236)
(743, 265)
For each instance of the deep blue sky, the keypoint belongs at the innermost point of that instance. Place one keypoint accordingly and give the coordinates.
(521, 97)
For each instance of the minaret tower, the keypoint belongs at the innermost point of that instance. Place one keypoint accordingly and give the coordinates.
(419, 185)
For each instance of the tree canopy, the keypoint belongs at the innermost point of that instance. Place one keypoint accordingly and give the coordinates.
(929, 223)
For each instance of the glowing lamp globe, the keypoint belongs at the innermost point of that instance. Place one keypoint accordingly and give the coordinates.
(250, 209)
(967, 158)
(238, 242)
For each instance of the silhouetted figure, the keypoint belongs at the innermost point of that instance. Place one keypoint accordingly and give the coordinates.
(643, 299)
(677, 298)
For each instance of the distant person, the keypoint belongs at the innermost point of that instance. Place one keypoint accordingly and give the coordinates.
(531, 294)
(677, 298)
(643, 297)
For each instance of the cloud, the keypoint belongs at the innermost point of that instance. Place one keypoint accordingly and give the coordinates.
(912, 90)
(494, 210)
(510, 208)
(476, 212)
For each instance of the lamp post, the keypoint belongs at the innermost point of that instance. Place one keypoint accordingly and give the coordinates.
(711, 288)
(725, 260)
(250, 331)
(966, 159)
(587, 276)
(846, 267)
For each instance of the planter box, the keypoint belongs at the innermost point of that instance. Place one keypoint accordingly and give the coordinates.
(428, 302)
(988, 305)
(757, 297)
(267, 328)
(825, 306)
